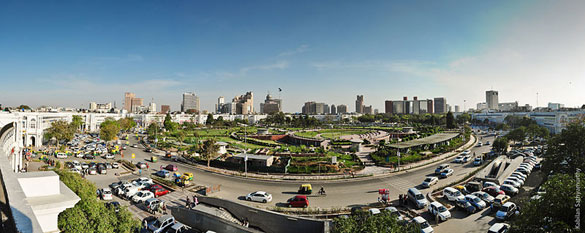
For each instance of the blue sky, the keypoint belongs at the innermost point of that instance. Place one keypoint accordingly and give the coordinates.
(64, 53)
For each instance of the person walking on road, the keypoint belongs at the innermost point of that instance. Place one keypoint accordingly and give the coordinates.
(195, 201)
(188, 202)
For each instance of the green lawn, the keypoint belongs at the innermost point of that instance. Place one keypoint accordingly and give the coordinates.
(331, 133)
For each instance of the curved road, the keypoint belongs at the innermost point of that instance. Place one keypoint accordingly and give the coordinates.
(340, 193)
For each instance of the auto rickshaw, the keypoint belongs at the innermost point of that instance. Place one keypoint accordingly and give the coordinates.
(188, 175)
(182, 181)
(153, 159)
(384, 196)
(177, 175)
(305, 189)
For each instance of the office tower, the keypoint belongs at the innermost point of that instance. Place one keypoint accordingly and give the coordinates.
(128, 96)
(190, 103)
(244, 103)
(491, 98)
(341, 109)
(359, 104)
(440, 105)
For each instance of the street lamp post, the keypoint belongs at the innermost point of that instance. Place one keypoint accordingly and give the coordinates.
(398, 160)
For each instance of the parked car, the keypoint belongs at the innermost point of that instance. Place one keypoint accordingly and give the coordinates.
(488, 199)
(298, 201)
(465, 205)
(441, 168)
(494, 191)
(487, 143)
(509, 189)
(429, 181)
(394, 212)
(516, 179)
(507, 211)
(489, 183)
(159, 191)
(512, 183)
(374, 211)
(163, 173)
(76, 164)
(259, 196)
(142, 196)
(92, 171)
(106, 194)
(161, 223)
(499, 228)
(499, 201)
(178, 228)
(523, 170)
(446, 173)
(171, 167)
(436, 208)
(88, 156)
(102, 169)
(416, 197)
(141, 165)
(113, 205)
(61, 155)
(152, 203)
(422, 223)
(475, 201)
(84, 166)
(524, 176)
(452, 194)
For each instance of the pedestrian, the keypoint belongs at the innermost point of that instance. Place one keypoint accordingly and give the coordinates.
(195, 201)
(188, 202)
(164, 207)
(147, 166)
(140, 171)
(400, 199)
(145, 224)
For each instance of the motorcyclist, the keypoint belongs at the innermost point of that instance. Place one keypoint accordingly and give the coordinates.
(322, 191)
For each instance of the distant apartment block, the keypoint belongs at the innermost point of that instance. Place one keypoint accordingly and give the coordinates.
(333, 109)
(341, 109)
(313, 108)
(190, 103)
(244, 103)
(507, 107)
(164, 109)
(482, 106)
(95, 107)
(440, 105)
(271, 105)
(406, 106)
(555, 106)
(359, 104)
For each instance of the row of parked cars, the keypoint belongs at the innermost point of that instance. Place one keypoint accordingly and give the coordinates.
(138, 190)
(91, 168)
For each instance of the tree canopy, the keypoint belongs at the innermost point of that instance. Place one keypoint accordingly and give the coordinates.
(126, 123)
(210, 150)
(566, 151)
(363, 222)
(60, 130)
(450, 121)
(109, 129)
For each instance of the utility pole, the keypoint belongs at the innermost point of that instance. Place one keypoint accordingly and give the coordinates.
(398, 159)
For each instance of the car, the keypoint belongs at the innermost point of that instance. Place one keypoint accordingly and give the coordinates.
(462, 189)
(113, 205)
(393, 211)
(117, 184)
(477, 161)
(88, 156)
(479, 144)
(298, 201)
(115, 165)
(152, 203)
(436, 208)
(106, 194)
(475, 201)
(520, 174)
(527, 165)
(79, 155)
(452, 194)
(441, 168)
(76, 164)
(143, 179)
(171, 167)
(177, 228)
(259, 196)
(516, 179)
(374, 211)
(129, 191)
(509, 189)
(142, 196)
(446, 173)
(416, 197)
(507, 211)
(465, 205)
(102, 169)
(517, 176)
(487, 143)
(422, 223)
(499, 201)
(429, 181)
(109, 156)
(158, 191)
(161, 224)
(466, 152)
(512, 183)
(92, 171)
(489, 183)
(499, 228)
(141, 165)
(61, 155)
(523, 170)
(142, 185)
(163, 173)
(458, 159)
(466, 158)
(84, 166)
(488, 199)
(135, 145)
(75, 170)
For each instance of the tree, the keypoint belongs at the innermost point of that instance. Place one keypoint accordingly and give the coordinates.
(363, 222)
(450, 120)
(152, 129)
(109, 129)
(518, 134)
(210, 150)
(22, 106)
(60, 130)
(566, 151)
(366, 118)
(555, 210)
(77, 122)
(502, 126)
(500, 144)
(168, 122)
(127, 123)
(209, 120)
(465, 117)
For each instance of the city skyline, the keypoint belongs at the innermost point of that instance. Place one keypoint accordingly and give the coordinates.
(325, 51)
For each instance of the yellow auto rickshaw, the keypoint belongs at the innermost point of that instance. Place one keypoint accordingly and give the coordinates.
(188, 175)
(182, 181)
(153, 159)
(305, 189)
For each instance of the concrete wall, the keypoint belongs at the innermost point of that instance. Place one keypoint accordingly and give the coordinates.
(269, 221)
(203, 221)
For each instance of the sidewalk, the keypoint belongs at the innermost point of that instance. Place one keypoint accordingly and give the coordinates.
(370, 171)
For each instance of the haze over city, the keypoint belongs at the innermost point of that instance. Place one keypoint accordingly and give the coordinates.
(329, 51)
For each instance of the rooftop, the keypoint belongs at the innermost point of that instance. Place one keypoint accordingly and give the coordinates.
(253, 156)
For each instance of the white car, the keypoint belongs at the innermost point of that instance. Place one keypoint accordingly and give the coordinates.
(75, 170)
(142, 196)
(61, 155)
(259, 196)
(80, 155)
(76, 164)
(489, 184)
(509, 189)
(520, 174)
(516, 179)
(459, 159)
(452, 194)
(429, 181)
(425, 227)
(499, 228)
(109, 156)
(144, 179)
(508, 210)
(466, 152)
(436, 208)
(513, 183)
(106, 194)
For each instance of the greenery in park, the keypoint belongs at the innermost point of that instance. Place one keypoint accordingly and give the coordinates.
(279, 119)
(127, 123)
(209, 150)
(450, 121)
(363, 222)
(109, 129)
(60, 130)
(76, 122)
(90, 215)
(500, 144)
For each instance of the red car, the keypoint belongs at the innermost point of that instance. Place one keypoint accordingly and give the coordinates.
(298, 201)
(171, 167)
(493, 191)
(159, 191)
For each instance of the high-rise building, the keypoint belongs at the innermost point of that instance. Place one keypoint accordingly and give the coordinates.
(244, 103)
(137, 104)
(333, 109)
(152, 107)
(440, 105)
(367, 110)
(491, 98)
(326, 109)
(190, 102)
(457, 108)
(312, 108)
(406, 106)
(388, 107)
(271, 105)
(164, 109)
(359, 104)
(229, 108)
(220, 102)
(341, 109)
(128, 96)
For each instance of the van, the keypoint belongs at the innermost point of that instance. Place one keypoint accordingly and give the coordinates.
(452, 194)
(416, 197)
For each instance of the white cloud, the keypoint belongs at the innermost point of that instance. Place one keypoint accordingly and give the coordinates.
(301, 49)
(278, 65)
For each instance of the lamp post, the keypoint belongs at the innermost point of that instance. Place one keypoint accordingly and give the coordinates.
(398, 159)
